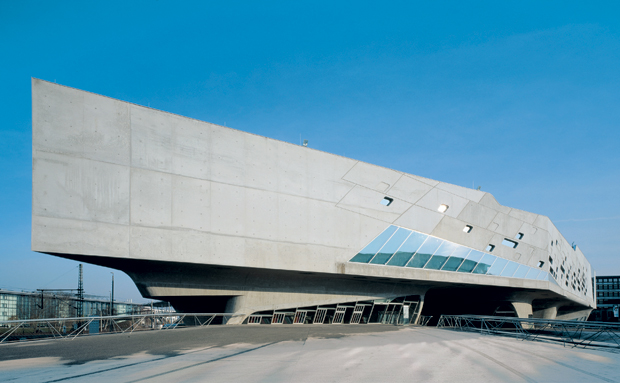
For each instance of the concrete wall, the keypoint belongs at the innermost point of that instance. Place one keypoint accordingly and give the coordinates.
(118, 180)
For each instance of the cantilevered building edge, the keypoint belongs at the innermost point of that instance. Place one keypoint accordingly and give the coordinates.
(212, 219)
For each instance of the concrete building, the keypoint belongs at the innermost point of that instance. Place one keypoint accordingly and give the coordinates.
(213, 219)
(20, 305)
(607, 299)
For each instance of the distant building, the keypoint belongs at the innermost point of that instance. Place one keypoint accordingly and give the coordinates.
(213, 219)
(607, 299)
(19, 305)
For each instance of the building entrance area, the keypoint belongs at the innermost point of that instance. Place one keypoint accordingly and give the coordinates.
(395, 311)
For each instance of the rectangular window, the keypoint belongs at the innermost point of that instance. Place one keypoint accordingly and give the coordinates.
(509, 243)
(467, 229)
(490, 248)
(519, 236)
(387, 201)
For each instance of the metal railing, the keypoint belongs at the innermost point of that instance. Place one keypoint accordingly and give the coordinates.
(575, 333)
(424, 319)
(70, 328)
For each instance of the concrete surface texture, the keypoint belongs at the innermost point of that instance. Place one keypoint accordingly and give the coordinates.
(304, 354)
(126, 186)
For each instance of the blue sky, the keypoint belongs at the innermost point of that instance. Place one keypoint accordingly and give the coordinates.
(520, 98)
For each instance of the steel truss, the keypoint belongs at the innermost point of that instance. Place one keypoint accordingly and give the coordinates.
(70, 328)
(573, 333)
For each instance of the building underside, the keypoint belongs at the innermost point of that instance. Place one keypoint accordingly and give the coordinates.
(217, 220)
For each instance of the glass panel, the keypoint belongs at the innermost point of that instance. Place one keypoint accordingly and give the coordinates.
(371, 249)
(425, 252)
(484, 264)
(470, 263)
(521, 271)
(390, 247)
(441, 256)
(543, 276)
(510, 269)
(498, 266)
(532, 274)
(406, 251)
(456, 259)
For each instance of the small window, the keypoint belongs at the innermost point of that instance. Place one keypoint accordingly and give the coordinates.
(467, 229)
(387, 201)
(541, 263)
(551, 243)
(551, 260)
(442, 208)
(519, 236)
(490, 248)
(509, 243)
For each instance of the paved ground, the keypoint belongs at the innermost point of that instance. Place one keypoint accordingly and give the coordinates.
(319, 353)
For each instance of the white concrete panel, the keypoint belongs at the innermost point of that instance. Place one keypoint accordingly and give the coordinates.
(69, 187)
(451, 229)
(106, 129)
(489, 201)
(505, 225)
(324, 259)
(545, 223)
(79, 237)
(535, 236)
(536, 256)
(324, 176)
(292, 169)
(259, 253)
(79, 123)
(191, 153)
(504, 251)
(191, 203)
(436, 197)
(229, 250)
(152, 138)
(292, 219)
(261, 162)
(409, 189)
(192, 246)
(227, 209)
(523, 215)
(477, 215)
(372, 176)
(427, 181)
(419, 219)
(368, 202)
(330, 226)
(261, 214)
(152, 244)
(57, 116)
(151, 198)
(470, 194)
(227, 155)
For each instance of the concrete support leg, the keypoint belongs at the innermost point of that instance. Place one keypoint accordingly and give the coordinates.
(418, 311)
(523, 309)
(548, 313)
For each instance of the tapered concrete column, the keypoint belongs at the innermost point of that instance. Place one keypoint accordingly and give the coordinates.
(548, 313)
(418, 311)
(523, 309)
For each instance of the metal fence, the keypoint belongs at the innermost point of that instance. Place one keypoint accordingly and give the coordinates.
(575, 333)
(70, 328)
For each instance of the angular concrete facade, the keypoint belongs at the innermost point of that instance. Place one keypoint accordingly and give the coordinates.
(211, 218)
